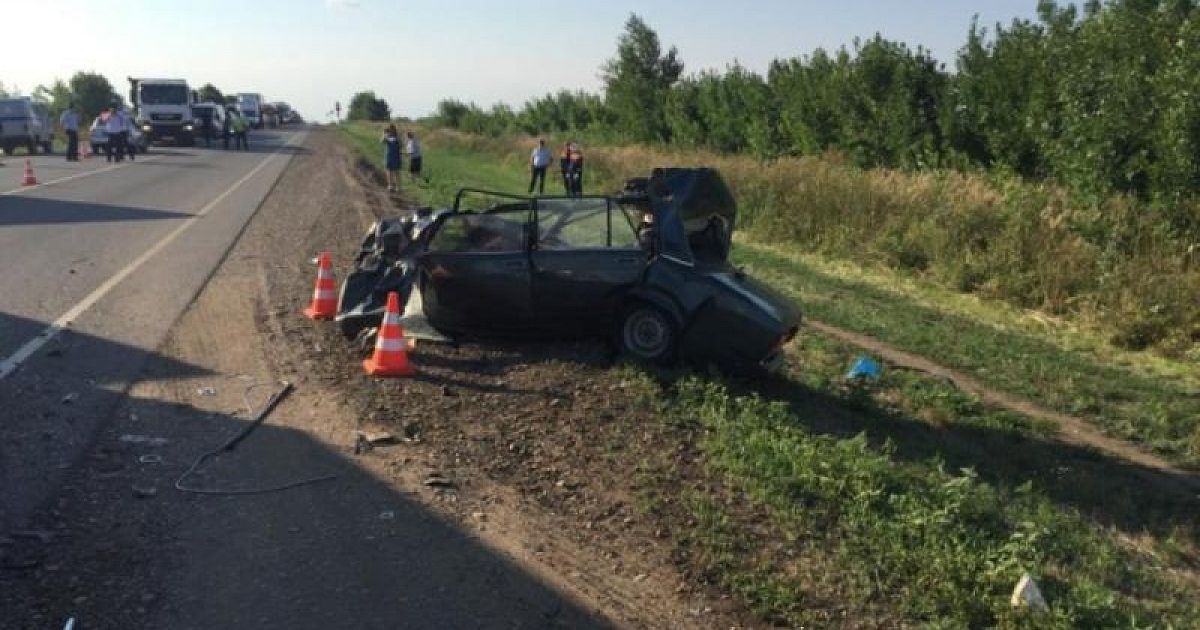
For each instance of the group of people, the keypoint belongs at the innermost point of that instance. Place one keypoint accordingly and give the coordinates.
(118, 127)
(392, 151)
(570, 163)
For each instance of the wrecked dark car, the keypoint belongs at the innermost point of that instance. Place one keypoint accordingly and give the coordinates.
(647, 267)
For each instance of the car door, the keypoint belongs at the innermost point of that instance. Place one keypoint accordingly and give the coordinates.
(584, 259)
(475, 273)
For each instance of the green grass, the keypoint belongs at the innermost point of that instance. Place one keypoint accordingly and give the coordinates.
(906, 501)
(1152, 407)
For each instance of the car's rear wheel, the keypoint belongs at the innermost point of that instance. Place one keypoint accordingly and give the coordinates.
(648, 334)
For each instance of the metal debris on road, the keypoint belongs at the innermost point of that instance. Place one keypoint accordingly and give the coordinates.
(150, 459)
(70, 398)
(206, 391)
(436, 480)
(144, 492)
(133, 438)
(387, 515)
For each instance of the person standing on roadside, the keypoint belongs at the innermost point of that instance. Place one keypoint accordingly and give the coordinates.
(576, 158)
(391, 156)
(114, 128)
(564, 165)
(227, 127)
(127, 140)
(413, 149)
(240, 126)
(70, 124)
(539, 161)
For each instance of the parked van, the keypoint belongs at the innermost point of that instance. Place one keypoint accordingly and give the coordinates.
(24, 123)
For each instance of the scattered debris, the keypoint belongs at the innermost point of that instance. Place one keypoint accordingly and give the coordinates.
(1028, 595)
(206, 391)
(151, 459)
(412, 432)
(479, 516)
(387, 515)
(144, 492)
(133, 438)
(70, 398)
(865, 368)
(436, 480)
(379, 438)
(640, 577)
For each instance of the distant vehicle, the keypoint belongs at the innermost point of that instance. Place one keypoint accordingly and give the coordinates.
(285, 112)
(213, 112)
(24, 123)
(647, 268)
(270, 116)
(163, 109)
(250, 105)
(98, 137)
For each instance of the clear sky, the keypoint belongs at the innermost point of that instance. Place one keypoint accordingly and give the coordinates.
(415, 52)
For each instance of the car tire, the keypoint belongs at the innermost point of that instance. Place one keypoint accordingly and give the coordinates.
(647, 333)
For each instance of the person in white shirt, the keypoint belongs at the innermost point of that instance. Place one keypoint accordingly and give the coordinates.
(70, 124)
(413, 148)
(114, 128)
(539, 161)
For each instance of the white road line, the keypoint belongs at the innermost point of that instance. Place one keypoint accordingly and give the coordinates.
(77, 176)
(10, 364)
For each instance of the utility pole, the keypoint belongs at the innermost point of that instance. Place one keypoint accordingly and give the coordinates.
(337, 108)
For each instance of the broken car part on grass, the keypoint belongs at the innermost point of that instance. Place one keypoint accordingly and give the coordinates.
(647, 267)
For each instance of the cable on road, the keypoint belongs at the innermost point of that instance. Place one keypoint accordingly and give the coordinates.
(257, 419)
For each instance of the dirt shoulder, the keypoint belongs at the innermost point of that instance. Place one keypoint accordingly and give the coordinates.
(515, 494)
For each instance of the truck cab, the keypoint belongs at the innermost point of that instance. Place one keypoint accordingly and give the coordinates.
(251, 107)
(163, 110)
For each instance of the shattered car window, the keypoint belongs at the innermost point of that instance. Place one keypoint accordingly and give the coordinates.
(502, 232)
(582, 224)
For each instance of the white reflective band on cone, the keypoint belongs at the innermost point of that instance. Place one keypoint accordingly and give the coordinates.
(324, 274)
(391, 345)
(392, 319)
(325, 294)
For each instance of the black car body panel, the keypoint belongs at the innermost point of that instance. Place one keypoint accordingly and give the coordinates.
(556, 267)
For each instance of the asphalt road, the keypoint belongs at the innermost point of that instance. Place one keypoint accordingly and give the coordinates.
(96, 263)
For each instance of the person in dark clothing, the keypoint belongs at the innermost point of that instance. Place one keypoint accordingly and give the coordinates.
(575, 155)
(391, 156)
(564, 165)
(206, 128)
(227, 128)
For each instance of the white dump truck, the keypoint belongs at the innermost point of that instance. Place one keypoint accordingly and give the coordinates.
(163, 110)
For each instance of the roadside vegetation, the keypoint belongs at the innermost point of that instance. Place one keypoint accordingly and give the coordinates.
(823, 502)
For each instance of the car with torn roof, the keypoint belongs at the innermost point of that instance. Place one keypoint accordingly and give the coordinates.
(647, 268)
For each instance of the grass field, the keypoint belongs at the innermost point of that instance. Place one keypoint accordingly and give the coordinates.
(907, 501)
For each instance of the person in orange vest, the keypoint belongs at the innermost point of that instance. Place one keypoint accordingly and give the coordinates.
(576, 157)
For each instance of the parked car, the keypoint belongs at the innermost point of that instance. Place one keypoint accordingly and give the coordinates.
(98, 137)
(647, 268)
(24, 123)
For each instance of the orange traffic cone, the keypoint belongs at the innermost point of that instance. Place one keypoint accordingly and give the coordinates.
(29, 179)
(391, 348)
(324, 300)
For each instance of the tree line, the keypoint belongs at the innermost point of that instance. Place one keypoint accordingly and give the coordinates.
(1102, 98)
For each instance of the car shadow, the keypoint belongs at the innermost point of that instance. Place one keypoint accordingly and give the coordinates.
(1111, 491)
(119, 546)
(16, 210)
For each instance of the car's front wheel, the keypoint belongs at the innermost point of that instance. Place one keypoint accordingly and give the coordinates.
(648, 334)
